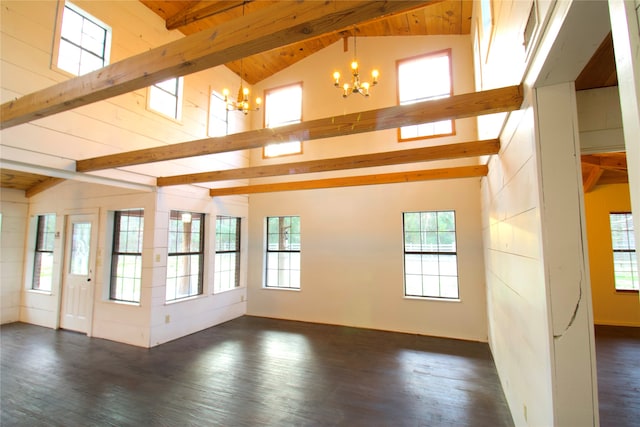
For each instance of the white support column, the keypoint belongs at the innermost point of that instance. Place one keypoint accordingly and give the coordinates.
(575, 391)
(626, 44)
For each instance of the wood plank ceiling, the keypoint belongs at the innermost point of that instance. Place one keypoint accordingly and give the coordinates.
(438, 18)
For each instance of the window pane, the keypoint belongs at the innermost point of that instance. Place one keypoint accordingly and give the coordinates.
(80, 240)
(430, 254)
(283, 106)
(283, 252)
(625, 264)
(186, 254)
(126, 261)
(414, 87)
(84, 41)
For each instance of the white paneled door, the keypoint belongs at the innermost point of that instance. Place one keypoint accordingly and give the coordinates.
(77, 287)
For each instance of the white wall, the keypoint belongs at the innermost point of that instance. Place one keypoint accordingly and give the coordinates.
(14, 207)
(540, 321)
(600, 120)
(176, 319)
(352, 258)
(122, 123)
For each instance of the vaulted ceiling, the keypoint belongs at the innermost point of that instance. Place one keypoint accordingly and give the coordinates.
(189, 17)
(437, 18)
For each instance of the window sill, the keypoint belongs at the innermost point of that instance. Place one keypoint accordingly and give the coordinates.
(627, 291)
(127, 303)
(39, 292)
(177, 301)
(433, 299)
(274, 288)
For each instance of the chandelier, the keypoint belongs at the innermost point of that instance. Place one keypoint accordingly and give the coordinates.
(241, 103)
(356, 86)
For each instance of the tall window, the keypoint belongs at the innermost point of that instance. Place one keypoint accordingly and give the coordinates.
(625, 262)
(283, 252)
(218, 116)
(166, 98)
(227, 263)
(186, 255)
(430, 257)
(84, 42)
(43, 259)
(425, 78)
(283, 106)
(126, 257)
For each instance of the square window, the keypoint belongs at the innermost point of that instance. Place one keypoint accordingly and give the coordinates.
(83, 42)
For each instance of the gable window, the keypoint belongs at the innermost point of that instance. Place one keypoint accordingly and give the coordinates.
(218, 116)
(425, 78)
(283, 106)
(625, 262)
(227, 263)
(126, 257)
(166, 98)
(283, 252)
(83, 42)
(430, 257)
(43, 259)
(185, 255)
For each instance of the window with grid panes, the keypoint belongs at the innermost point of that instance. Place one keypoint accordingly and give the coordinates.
(625, 262)
(83, 42)
(430, 254)
(283, 106)
(43, 257)
(126, 257)
(227, 261)
(283, 252)
(185, 261)
(425, 78)
(166, 98)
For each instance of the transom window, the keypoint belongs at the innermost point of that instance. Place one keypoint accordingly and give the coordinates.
(166, 98)
(84, 42)
(185, 255)
(283, 106)
(425, 78)
(218, 115)
(625, 262)
(430, 256)
(283, 252)
(43, 259)
(126, 257)
(227, 262)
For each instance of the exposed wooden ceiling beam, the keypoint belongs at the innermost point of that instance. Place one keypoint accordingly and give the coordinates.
(590, 180)
(388, 178)
(611, 161)
(441, 152)
(455, 107)
(42, 186)
(188, 15)
(281, 24)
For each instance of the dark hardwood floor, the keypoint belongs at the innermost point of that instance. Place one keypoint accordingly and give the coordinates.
(618, 361)
(249, 372)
